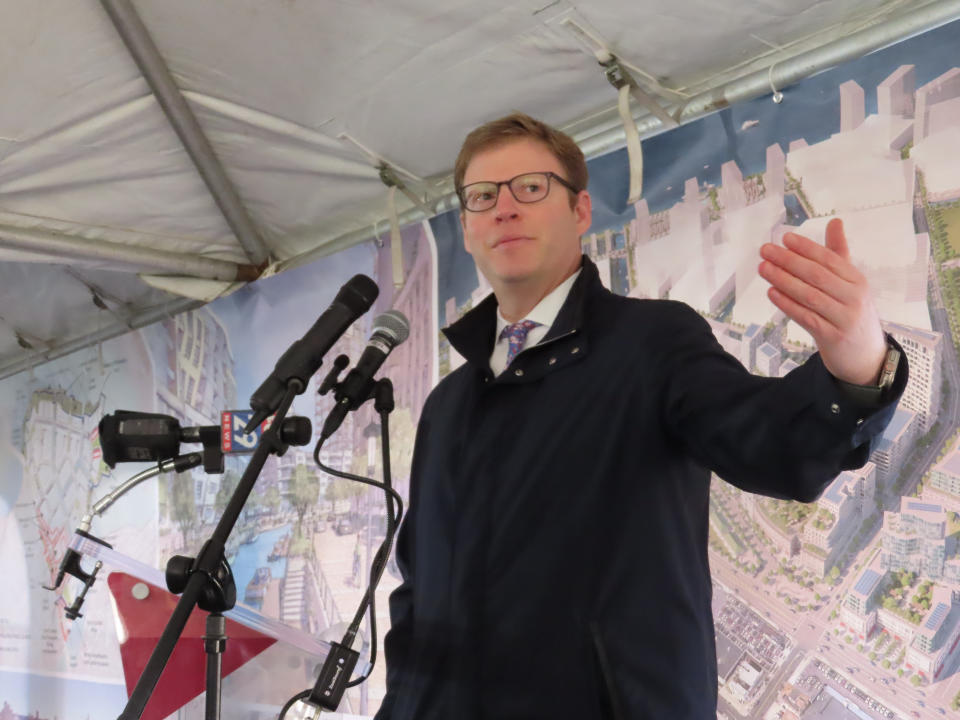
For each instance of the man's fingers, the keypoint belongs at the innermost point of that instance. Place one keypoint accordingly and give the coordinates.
(812, 322)
(836, 239)
(821, 255)
(810, 271)
(804, 294)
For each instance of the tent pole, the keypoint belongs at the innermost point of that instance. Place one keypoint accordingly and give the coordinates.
(63, 249)
(141, 46)
(134, 322)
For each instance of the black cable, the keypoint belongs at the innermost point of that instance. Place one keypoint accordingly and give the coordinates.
(291, 702)
(359, 478)
(394, 516)
(383, 554)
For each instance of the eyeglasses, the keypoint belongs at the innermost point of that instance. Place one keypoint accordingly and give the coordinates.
(526, 188)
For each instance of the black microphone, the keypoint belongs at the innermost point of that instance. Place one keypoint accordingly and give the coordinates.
(303, 358)
(128, 436)
(389, 330)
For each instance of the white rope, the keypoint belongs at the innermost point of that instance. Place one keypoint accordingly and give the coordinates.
(396, 240)
(634, 148)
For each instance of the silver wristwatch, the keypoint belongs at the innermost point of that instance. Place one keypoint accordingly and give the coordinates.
(889, 370)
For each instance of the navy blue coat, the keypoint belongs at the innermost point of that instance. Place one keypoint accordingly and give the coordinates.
(555, 553)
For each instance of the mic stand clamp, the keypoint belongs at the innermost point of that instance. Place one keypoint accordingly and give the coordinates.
(382, 394)
(380, 391)
(70, 565)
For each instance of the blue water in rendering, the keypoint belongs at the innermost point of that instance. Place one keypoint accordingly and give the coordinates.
(796, 215)
(250, 557)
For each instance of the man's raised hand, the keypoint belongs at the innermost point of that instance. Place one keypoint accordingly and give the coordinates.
(819, 288)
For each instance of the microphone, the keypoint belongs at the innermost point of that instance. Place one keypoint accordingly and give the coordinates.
(303, 358)
(128, 436)
(389, 330)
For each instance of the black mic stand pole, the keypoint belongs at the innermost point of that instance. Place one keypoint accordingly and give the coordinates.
(214, 644)
(207, 581)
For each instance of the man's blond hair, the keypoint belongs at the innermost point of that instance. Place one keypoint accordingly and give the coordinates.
(519, 126)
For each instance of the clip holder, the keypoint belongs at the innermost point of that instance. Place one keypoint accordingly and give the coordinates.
(70, 565)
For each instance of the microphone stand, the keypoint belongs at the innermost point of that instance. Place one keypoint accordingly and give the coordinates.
(207, 580)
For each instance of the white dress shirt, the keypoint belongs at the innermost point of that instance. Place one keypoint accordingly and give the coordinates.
(544, 313)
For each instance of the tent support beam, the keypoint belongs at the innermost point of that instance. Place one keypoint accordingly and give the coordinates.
(134, 322)
(141, 46)
(606, 136)
(63, 249)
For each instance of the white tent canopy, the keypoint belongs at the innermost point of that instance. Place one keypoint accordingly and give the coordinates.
(156, 154)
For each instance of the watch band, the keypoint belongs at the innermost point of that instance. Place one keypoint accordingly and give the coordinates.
(889, 370)
(875, 395)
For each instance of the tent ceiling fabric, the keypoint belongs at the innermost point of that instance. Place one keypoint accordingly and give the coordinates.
(87, 153)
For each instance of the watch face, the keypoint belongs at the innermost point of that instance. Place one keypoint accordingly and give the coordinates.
(889, 368)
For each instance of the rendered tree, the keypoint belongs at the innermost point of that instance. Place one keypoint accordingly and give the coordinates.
(403, 432)
(184, 505)
(272, 499)
(228, 484)
(304, 492)
(339, 489)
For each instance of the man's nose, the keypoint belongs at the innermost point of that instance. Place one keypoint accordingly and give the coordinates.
(506, 206)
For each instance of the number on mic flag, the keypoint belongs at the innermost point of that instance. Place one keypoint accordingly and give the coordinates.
(232, 437)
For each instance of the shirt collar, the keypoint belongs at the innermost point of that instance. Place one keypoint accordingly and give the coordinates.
(473, 335)
(545, 311)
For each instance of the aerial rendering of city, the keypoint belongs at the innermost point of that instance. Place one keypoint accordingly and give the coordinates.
(848, 607)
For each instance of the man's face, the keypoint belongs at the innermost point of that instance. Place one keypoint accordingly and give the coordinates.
(515, 242)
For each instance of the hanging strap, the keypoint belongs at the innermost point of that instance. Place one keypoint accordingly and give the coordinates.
(396, 240)
(634, 147)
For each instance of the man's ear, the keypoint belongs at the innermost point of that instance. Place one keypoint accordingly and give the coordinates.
(463, 231)
(583, 210)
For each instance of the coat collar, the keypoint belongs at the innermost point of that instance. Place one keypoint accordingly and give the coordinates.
(473, 335)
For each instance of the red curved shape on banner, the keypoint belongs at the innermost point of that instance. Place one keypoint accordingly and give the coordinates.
(184, 676)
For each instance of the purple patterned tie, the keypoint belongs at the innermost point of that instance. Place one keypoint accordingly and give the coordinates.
(516, 334)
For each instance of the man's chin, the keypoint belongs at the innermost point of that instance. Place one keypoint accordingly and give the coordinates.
(514, 276)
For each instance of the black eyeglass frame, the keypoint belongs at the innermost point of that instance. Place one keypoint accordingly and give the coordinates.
(549, 175)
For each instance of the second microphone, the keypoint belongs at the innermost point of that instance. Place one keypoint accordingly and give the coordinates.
(389, 330)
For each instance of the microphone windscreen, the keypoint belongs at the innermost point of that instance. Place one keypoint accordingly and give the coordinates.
(394, 324)
(358, 294)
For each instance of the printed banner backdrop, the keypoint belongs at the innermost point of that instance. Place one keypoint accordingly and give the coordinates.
(848, 607)
(301, 550)
(845, 608)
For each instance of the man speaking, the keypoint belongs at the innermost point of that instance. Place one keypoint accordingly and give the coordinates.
(555, 553)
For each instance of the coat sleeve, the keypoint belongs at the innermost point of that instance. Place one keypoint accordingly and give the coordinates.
(399, 638)
(784, 437)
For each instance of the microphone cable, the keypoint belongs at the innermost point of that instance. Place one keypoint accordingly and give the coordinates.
(394, 516)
